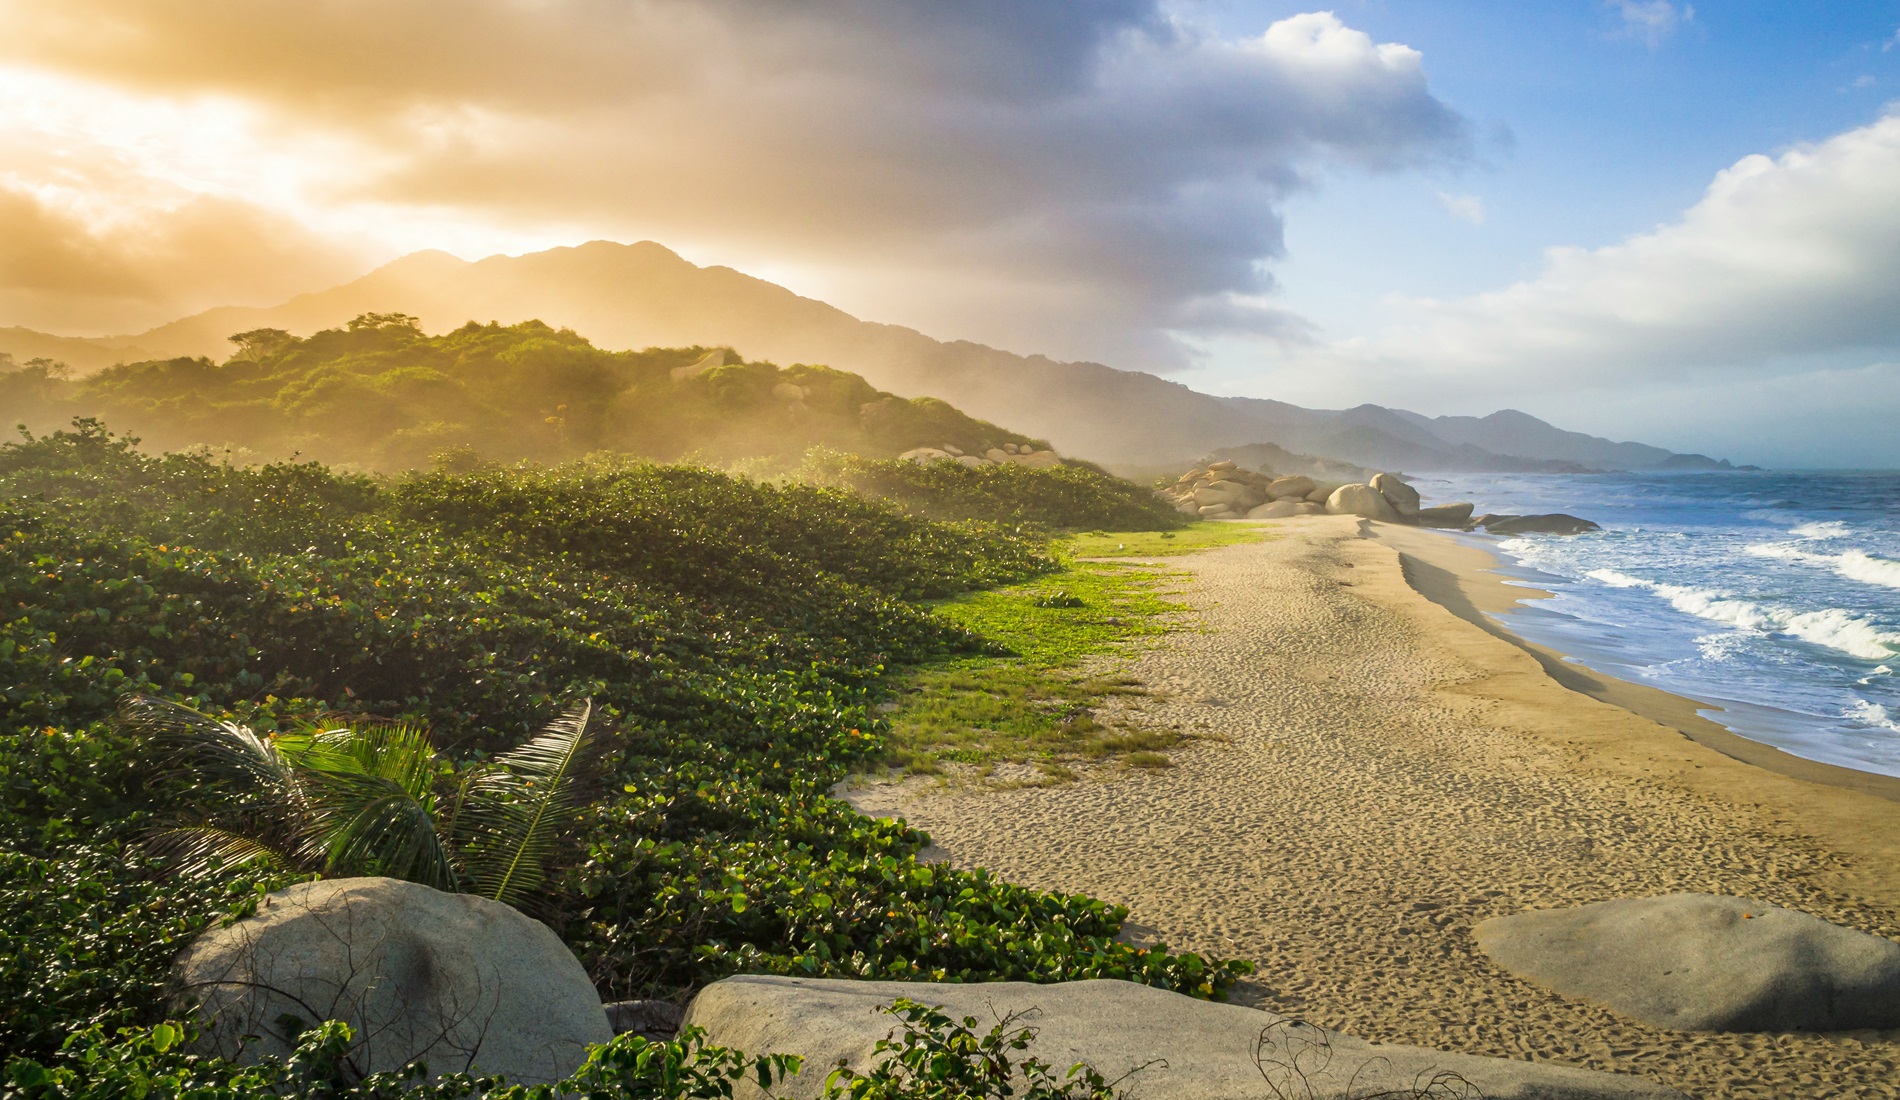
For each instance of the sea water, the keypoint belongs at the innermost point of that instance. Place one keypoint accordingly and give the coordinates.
(1773, 597)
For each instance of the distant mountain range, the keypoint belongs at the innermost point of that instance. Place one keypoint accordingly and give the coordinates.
(644, 295)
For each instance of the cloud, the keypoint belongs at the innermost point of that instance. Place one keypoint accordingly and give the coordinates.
(1466, 208)
(1073, 178)
(65, 274)
(1783, 276)
(1650, 20)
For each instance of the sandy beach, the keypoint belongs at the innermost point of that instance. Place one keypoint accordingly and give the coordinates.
(1394, 768)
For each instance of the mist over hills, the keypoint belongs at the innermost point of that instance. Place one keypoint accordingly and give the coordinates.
(644, 295)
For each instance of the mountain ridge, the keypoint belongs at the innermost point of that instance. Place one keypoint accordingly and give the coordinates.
(645, 295)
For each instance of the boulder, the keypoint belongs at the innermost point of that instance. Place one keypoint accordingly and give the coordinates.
(1233, 494)
(1403, 498)
(924, 454)
(453, 980)
(1308, 508)
(790, 391)
(1296, 487)
(996, 454)
(654, 1019)
(1222, 466)
(970, 460)
(1363, 501)
(1278, 509)
(1701, 962)
(1218, 511)
(1556, 523)
(1038, 460)
(1171, 1045)
(951, 449)
(1444, 515)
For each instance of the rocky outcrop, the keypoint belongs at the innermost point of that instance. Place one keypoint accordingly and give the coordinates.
(1297, 487)
(1223, 490)
(1701, 962)
(1555, 523)
(1167, 1044)
(1403, 498)
(1219, 490)
(1282, 509)
(453, 980)
(1010, 454)
(1444, 515)
(1363, 501)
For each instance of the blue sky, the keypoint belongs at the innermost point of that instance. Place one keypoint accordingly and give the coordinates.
(1609, 131)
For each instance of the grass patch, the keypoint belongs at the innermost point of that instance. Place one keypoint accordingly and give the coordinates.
(1032, 701)
(1152, 544)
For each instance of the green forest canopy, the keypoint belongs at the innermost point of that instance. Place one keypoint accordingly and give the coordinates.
(382, 394)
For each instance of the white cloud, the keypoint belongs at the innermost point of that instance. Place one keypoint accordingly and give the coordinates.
(1781, 280)
(1651, 20)
(1466, 208)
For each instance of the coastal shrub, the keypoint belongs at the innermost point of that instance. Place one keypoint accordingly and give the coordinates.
(1071, 497)
(733, 636)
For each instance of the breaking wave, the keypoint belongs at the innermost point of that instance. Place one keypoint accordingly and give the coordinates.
(1826, 529)
(1855, 565)
(1833, 627)
(1872, 714)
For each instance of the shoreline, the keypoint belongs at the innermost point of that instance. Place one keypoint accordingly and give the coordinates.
(1464, 580)
(1376, 777)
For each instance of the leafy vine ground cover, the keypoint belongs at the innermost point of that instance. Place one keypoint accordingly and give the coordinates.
(735, 637)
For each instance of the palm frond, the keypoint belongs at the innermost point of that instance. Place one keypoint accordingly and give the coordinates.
(214, 752)
(512, 812)
(368, 824)
(393, 751)
(199, 851)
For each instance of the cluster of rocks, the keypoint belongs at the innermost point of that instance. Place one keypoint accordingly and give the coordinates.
(1223, 490)
(1017, 454)
(463, 983)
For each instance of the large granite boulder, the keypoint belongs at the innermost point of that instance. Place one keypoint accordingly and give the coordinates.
(1445, 515)
(1292, 487)
(1556, 523)
(1174, 1046)
(1363, 501)
(456, 981)
(1280, 509)
(1403, 498)
(1700, 962)
(1234, 495)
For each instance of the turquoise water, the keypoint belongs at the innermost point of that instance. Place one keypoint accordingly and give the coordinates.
(1774, 597)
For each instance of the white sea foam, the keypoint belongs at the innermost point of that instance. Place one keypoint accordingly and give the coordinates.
(1832, 627)
(1826, 529)
(1855, 565)
(1859, 566)
(1872, 714)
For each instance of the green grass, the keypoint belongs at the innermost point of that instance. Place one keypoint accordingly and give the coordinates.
(1152, 544)
(1033, 700)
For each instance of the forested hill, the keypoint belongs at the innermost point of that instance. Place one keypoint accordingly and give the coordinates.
(382, 394)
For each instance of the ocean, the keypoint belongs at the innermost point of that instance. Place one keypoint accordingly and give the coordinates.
(1772, 597)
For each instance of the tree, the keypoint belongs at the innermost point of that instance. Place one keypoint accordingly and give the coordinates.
(387, 322)
(259, 344)
(366, 799)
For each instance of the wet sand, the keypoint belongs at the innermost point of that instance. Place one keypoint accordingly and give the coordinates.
(1397, 768)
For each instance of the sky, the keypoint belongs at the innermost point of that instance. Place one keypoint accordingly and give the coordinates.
(1639, 218)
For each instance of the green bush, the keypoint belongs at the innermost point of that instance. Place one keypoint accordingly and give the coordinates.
(733, 636)
(1071, 497)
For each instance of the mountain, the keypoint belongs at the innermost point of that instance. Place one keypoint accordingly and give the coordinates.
(82, 353)
(644, 295)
